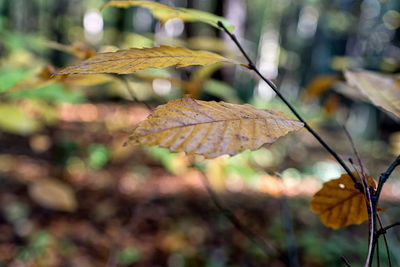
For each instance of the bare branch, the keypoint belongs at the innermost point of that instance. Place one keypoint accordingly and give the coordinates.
(345, 261)
(384, 238)
(252, 66)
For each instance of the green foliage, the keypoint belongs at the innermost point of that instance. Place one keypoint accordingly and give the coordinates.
(56, 93)
(128, 255)
(98, 156)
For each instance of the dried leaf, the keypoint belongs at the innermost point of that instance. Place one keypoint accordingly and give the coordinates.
(163, 12)
(134, 59)
(212, 128)
(382, 90)
(339, 203)
(53, 194)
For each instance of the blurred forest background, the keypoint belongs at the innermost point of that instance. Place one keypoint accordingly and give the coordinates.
(72, 195)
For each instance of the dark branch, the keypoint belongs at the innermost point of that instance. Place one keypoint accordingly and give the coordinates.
(383, 230)
(383, 178)
(345, 261)
(275, 89)
(385, 240)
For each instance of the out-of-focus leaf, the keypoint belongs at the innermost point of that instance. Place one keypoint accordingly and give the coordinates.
(382, 90)
(134, 59)
(339, 203)
(134, 40)
(195, 84)
(45, 78)
(17, 41)
(14, 120)
(53, 92)
(345, 89)
(331, 104)
(53, 194)
(319, 85)
(208, 43)
(10, 76)
(98, 156)
(77, 49)
(163, 12)
(210, 128)
(221, 90)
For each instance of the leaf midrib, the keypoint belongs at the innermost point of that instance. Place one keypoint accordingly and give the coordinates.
(216, 121)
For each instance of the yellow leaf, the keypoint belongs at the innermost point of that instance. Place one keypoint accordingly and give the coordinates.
(339, 203)
(53, 194)
(86, 80)
(382, 90)
(210, 43)
(212, 128)
(134, 59)
(164, 12)
(319, 85)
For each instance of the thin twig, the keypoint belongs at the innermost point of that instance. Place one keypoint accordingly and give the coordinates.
(384, 176)
(368, 202)
(252, 66)
(267, 248)
(383, 230)
(345, 261)
(376, 194)
(371, 224)
(378, 261)
(384, 239)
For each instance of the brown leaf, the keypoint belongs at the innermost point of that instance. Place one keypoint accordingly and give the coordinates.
(134, 59)
(382, 90)
(53, 194)
(339, 203)
(212, 128)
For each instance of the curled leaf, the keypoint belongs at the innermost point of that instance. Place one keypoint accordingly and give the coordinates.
(339, 203)
(212, 128)
(134, 59)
